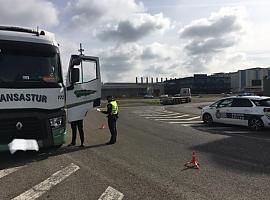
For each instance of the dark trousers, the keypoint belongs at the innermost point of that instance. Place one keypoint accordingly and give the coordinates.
(112, 126)
(74, 126)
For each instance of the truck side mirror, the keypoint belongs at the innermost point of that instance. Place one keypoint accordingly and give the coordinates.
(75, 75)
(76, 60)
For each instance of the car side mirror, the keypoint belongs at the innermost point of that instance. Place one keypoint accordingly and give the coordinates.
(75, 75)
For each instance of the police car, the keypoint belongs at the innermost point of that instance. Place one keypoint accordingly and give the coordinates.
(251, 111)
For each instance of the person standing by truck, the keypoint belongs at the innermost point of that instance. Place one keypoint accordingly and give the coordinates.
(112, 114)
(74, 126)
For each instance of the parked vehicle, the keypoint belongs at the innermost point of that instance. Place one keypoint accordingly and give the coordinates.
(251, 111)
(33, 98)
(148, 96)
(183, 97)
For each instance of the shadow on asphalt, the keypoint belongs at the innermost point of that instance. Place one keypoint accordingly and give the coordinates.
(232, 130)
(246, 154)
(22, 158)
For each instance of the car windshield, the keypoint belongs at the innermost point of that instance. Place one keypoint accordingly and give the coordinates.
(262, 103)
(215, 104)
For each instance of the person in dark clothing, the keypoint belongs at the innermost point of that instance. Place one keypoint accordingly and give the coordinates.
(74, 125)
(112, 114)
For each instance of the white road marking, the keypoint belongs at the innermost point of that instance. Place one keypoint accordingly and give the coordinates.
(160, 114)
(189, 122)
(168, 117)
(166, 111)
(188, 125)
(111, 194)
(176, 120)
(5, 172)
(47, 184)
(192, 118)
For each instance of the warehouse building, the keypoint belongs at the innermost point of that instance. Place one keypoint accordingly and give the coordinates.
(200, 84)
(249, 80)
(266, 86)
(133, 89)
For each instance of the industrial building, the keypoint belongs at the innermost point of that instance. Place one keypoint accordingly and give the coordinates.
(253, 80)
(266, 86)
(249, 80)
(133, 89)
(199, 84)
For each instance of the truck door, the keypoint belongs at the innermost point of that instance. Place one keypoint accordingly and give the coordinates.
(83, 90)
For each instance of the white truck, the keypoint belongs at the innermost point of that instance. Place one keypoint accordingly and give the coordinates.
(34, 102)
(183, 97)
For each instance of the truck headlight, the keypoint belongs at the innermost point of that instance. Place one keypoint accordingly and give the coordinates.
(56, 122)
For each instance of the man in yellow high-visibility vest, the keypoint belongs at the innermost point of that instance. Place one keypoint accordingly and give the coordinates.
(112, 114)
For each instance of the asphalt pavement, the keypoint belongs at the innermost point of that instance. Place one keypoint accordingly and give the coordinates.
(147, 162)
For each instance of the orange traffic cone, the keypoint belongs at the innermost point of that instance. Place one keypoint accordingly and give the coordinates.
(194, 163)
(103, 126)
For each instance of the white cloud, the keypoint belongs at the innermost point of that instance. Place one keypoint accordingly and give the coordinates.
(87, 13)
(226, 21)
(135, 28)
(208, 38)
(31, 13)
(125, 62)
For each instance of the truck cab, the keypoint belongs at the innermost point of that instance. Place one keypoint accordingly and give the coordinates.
(34, 102)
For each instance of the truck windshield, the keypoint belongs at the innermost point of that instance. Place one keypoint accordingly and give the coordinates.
(29, 68)
(26, 63)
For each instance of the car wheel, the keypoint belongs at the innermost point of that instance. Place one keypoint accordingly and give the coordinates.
(255, 124)
(207, 119)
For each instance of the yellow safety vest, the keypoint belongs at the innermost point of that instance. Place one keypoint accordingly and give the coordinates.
(114, 107)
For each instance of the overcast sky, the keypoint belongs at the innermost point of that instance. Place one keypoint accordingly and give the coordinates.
(169, 38)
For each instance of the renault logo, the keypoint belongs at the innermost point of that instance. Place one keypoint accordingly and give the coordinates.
(19, 126)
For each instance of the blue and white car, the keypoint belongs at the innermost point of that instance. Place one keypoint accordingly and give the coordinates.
(251, 111)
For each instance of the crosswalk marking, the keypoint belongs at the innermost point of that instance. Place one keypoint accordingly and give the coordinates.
(187, 122)
(171, 118)
(168, 117)
(5, 172)
(47, 184)
(190, 119)
(156, 115)
(111, 194)
(178, 119)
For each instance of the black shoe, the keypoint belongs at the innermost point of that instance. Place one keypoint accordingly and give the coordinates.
(81, 145)
(71, 144)
(109, 143)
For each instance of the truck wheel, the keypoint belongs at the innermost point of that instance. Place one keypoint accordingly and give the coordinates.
(255, 124)
(207, 119)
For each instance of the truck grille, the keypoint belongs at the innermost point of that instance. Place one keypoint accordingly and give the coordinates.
(20, 128)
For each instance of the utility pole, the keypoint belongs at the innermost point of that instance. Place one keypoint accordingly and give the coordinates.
(81, 50)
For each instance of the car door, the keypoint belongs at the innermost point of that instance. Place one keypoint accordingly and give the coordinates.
(83, 90)
(222, 109)
(240, 111)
